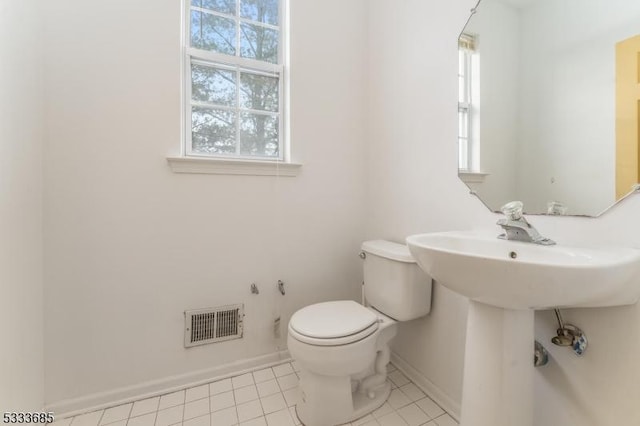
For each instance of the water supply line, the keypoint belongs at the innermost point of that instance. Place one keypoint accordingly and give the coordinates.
(568, 335)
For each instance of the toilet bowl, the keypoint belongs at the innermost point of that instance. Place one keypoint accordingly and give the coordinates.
(342, 347)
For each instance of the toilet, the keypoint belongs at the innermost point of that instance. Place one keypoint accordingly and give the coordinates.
(342, 347)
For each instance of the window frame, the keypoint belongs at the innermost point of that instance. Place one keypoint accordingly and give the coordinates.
(238, 65)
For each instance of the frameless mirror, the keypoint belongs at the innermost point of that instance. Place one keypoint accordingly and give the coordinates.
(549, 95)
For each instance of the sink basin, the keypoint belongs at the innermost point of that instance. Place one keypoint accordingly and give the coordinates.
(518, 275)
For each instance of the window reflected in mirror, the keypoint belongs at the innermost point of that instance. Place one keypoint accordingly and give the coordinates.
(468, 104)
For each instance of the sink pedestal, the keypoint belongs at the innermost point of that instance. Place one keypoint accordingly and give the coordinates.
(497, 386)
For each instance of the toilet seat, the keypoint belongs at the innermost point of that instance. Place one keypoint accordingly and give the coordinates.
(333, 323)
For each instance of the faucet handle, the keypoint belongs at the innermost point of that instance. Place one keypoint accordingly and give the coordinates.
(513, 210)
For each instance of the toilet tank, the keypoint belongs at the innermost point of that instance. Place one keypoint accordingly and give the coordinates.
(394, 284)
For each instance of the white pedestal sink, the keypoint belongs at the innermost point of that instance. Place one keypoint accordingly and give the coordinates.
(506, 281)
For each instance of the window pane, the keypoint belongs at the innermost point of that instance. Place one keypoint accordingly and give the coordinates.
(222, 6)
(463, 154)
(463, 123)
(211, 32)
(259, 135)
(259, 43)
(258, 92)
(213, 85)
(213, 131)
(265, 11)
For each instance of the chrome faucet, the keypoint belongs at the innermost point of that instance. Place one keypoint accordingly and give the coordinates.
(517, 228)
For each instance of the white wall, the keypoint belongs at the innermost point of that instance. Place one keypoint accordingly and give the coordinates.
(21, 325)
(129, 245)
(413, 188)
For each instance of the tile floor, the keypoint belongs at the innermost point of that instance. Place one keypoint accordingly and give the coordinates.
(263, 397)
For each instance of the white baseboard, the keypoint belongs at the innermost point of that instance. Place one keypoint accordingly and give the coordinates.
(98, 401)
(450, 405)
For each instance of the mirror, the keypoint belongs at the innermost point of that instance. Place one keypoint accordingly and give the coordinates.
(549, 95)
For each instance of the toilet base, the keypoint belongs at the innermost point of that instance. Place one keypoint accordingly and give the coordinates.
(363, 405)
(329, 401)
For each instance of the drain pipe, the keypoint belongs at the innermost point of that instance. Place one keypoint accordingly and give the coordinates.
(540, 355)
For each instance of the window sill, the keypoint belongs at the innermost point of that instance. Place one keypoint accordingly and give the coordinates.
(472, 177)
(222, 166)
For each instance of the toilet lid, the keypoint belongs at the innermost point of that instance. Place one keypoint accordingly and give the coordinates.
(334, 320)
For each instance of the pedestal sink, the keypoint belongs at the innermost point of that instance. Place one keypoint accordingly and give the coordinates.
(506, 281)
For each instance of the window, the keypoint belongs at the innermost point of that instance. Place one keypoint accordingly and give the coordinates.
(234, 79)
(468, 104)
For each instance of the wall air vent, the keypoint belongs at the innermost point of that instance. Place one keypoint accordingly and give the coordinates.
(211, 325)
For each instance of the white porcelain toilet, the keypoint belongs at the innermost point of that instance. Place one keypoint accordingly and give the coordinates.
(342, 347)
